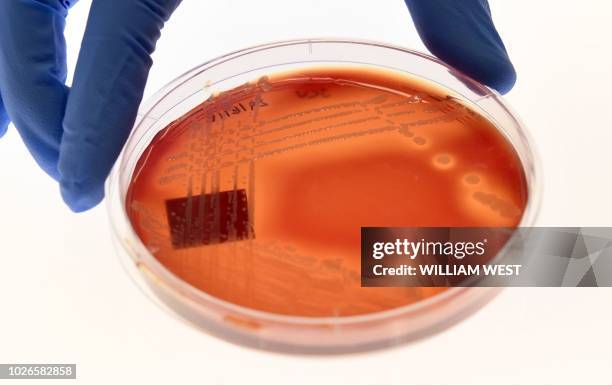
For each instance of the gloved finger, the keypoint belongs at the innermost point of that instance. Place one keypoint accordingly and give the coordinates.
(4, 120)
(33, 72)
(462, 34)
(111, 73)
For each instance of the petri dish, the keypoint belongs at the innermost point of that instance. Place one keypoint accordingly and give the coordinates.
(238, 199)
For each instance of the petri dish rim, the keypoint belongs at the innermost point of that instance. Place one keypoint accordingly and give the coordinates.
(131, 244)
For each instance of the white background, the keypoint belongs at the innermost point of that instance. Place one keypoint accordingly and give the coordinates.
(65, 298)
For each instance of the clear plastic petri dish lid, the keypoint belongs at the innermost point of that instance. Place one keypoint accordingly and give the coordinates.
(289, 333)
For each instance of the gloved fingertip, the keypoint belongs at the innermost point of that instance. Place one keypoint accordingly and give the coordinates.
(3, 127)
(462, 34)
(485, 62)
(81, 196)
(495, 72)
(4, 120)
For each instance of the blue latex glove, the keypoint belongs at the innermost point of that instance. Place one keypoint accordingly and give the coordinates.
(76, 134)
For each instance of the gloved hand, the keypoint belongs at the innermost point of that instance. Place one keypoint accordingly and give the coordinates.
(76, 134)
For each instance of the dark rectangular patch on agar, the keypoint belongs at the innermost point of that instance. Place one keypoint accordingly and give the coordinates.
(208, 219)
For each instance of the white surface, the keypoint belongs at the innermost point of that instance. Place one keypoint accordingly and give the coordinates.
(65, 298)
